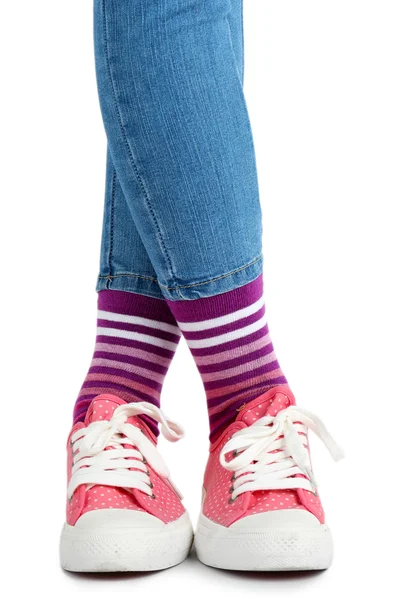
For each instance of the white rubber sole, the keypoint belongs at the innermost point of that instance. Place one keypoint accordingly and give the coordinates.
(114, 547)
(274, 541)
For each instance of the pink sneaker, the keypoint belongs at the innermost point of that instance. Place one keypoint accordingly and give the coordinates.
(123, 512)
(261, 510)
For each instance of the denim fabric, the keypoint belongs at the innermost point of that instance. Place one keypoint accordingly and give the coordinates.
(124, 262)
(182, 217)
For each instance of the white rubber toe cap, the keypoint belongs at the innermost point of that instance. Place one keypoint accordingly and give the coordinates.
(287, 519)
(280, 540)
(114, 518)
(109, 540)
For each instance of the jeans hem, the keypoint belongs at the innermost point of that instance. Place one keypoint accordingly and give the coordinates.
(130, 282)
(148, 286)
(217, 285)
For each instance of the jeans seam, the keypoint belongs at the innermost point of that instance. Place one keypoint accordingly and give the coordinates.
(130, 153)
(191, 285)
(128, 275)
(111, 222)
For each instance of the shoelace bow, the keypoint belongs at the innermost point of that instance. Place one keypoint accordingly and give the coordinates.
(268, 454)
(101, 458)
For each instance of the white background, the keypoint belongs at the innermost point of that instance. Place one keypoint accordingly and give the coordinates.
(323, 94)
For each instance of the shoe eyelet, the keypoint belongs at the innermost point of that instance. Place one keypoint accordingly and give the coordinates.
(151, 485)
(235, 453)
(231, 490)
(144, 460)
(152, 496)
(231, 500)
(233, 477)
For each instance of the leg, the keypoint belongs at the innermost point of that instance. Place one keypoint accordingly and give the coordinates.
(137, 334)
(181, 143)
(180, 140)
(125, 266)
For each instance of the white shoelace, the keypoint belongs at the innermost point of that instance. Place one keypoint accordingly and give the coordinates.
(100, 457)
(268, 454)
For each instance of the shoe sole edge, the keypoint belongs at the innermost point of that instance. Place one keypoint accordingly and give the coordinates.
(276, 550)
(131, 549)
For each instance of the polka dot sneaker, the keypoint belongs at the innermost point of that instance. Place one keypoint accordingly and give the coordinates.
(123, 512)
(261, 510)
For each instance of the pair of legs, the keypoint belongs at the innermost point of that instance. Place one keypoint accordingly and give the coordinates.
(181, 254)
(181, 244)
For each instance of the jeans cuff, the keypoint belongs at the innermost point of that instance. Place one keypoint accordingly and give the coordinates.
(147, 286)
(217, 285)
(130, 282)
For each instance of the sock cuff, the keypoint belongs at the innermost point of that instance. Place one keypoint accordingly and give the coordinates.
(129, 303)
(189, 311)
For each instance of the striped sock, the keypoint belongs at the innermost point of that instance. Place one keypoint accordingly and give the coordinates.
(137, 337)
(230, 342)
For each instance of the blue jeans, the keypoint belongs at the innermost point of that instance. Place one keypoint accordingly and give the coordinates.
(182, 217)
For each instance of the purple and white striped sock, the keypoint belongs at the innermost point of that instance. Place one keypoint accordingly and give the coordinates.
(230, 342)
(137, 337)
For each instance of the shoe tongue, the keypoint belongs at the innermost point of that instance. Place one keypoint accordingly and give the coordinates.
(268, 404)
(103, 407)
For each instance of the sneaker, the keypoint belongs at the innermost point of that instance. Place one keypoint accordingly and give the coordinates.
(261, 509)
(123, 512)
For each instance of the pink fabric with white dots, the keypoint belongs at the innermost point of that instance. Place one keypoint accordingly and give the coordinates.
(165, 506)
(217, 480)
